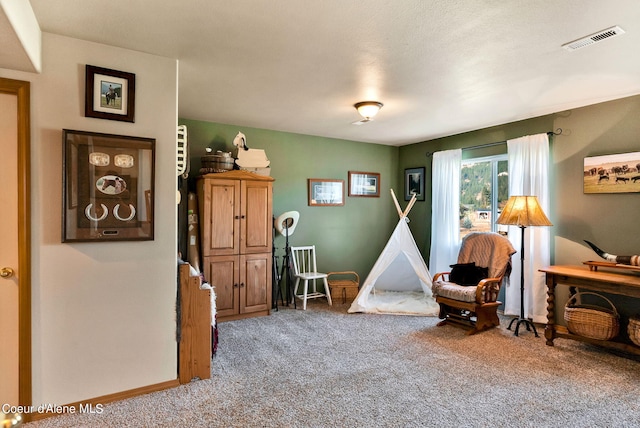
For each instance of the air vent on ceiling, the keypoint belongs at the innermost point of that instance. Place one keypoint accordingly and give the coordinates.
(594, 38)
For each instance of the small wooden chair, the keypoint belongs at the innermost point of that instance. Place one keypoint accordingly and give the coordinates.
(475, 307)
(304, 268)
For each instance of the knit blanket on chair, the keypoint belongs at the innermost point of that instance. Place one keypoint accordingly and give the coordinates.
(487, 249)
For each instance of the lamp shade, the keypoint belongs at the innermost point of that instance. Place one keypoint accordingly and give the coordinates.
(368, 109)
(523, 211)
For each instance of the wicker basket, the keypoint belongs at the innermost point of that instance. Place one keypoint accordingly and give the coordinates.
(634, 330)
(593, 322)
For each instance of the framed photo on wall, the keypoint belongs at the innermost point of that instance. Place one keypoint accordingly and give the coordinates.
(365, 184)
(414, 183)
(324, 192)
(107, 187)
(618, 173)
(109, 94)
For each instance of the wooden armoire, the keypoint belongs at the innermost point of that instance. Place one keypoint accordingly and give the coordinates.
(236, 239)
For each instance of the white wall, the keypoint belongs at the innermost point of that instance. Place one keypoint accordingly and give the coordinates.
(22, 38)
(103, 313)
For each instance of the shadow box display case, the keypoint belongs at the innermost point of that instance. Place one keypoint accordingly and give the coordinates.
(108, 185)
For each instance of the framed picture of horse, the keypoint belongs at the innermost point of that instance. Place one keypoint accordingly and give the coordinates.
(615, 173)
(109, 94)
(107, 187)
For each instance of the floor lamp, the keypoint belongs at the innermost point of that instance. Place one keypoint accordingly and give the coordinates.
(523, 211)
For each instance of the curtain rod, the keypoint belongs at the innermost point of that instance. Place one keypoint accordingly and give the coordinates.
(550, 133)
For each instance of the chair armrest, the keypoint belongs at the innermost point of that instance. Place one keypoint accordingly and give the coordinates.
(487, 290)
(441, 276)
(342, 278)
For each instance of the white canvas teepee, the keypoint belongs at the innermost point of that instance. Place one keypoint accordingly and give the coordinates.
(399, 282)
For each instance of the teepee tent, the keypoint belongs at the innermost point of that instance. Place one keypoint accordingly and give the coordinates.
(399, 282)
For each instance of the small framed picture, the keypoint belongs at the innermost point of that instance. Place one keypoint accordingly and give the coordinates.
(364, 184)
(324, 192)
(107, 187)
(414, 183)
(109, 94)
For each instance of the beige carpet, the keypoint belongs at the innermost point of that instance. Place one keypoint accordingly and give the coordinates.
(325, 368)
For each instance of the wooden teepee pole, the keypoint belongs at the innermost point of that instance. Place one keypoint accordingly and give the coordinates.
(410, 205)
(395, 201)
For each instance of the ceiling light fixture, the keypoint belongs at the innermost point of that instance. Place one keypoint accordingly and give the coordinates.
(368, 109)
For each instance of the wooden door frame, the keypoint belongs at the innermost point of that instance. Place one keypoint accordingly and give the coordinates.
(22, 90)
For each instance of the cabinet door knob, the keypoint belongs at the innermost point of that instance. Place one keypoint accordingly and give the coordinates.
(235, 285)
(242, 284)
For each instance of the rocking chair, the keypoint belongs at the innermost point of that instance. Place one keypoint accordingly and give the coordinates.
(468, 295)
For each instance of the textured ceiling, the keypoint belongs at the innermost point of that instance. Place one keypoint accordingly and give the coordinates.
(439, 67)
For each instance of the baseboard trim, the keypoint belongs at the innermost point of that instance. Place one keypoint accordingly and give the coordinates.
(95, 404)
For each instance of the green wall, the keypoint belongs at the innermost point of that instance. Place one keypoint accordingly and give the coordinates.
(351, 237)
(609, 220)
(348, 237)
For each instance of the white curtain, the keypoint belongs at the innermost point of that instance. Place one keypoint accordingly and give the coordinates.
(528, 176)
(445, 210)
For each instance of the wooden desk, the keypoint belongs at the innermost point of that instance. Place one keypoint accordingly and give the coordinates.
(581, 276)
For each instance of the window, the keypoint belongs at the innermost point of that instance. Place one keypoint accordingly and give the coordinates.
(484, 189)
